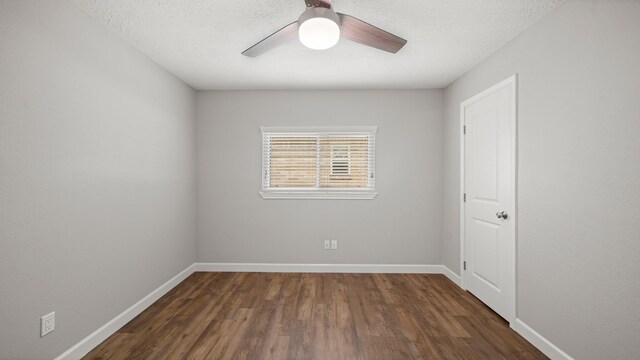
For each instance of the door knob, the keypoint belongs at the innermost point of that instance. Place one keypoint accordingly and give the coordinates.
(502, 215)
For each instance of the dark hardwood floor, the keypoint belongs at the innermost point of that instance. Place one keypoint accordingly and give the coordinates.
(316, 316)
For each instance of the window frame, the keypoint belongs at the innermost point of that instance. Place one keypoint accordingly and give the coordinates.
(317, 192)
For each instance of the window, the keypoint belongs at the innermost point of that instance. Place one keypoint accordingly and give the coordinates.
(318, 163)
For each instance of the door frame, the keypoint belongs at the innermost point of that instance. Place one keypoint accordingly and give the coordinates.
(511, 290)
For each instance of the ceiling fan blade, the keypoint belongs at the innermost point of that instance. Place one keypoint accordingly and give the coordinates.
(277, 38)
(318, 3)
(364, 33)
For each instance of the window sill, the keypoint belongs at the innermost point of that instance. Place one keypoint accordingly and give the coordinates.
(319, 195)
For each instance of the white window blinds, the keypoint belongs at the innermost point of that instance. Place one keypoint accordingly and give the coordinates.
(320, 161)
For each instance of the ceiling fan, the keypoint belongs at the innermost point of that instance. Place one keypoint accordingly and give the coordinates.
(319, 28)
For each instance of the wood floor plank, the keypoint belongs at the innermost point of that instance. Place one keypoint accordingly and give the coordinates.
(316, 316)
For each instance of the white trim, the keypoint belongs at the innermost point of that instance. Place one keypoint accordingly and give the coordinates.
(452, 276)
(322, 195)
(539, 341)
(319, 129)
(320, 268)
(510, 81)
(94, 339)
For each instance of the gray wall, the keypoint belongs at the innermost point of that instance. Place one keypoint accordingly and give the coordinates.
(579, 174)
(400, 226)
(97, 179)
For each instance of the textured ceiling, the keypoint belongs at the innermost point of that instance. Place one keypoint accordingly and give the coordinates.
(200, 40)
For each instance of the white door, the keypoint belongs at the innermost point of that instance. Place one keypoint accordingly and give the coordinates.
(489, 121)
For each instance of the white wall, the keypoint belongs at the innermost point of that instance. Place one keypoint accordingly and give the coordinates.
(579, 174)
(97, 179)
(400, 226)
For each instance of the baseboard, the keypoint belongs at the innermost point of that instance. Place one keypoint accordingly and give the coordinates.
(80, 349)
(452, 276)
(539, 341)
(319, 268)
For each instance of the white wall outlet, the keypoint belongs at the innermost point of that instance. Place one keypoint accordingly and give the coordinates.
(327, 244)
(334, 244)
(47, 323)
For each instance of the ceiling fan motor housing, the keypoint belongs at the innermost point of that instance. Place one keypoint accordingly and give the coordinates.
(319, 12)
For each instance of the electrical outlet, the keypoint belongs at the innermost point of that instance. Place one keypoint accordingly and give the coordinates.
(334, 244)
(327, 244)
(47, 323)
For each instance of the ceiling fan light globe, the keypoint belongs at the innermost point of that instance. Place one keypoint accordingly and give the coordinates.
(319, 33)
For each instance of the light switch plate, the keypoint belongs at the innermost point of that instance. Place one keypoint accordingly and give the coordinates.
(327, 244)
(47, 323)
(334, 244)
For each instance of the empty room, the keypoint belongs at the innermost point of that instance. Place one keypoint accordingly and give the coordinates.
(320, 179)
